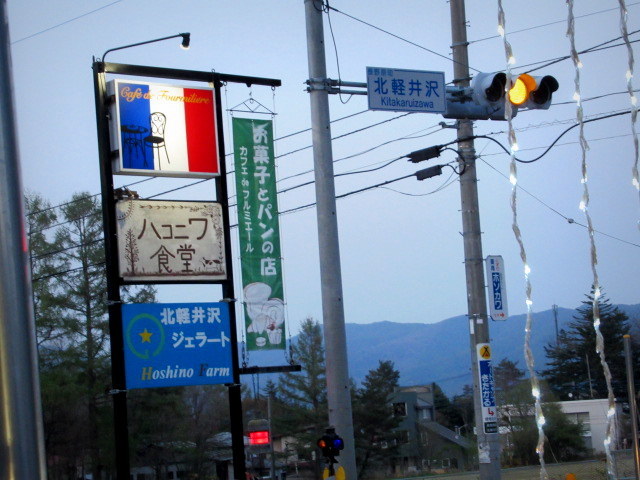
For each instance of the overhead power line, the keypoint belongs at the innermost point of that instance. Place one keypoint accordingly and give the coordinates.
(563, 21)
(64, 23)
(397, 36)
(568, 219)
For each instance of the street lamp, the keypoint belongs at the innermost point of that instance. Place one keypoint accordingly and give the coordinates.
(186, 40)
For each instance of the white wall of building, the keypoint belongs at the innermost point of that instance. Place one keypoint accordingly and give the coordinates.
(597, 415)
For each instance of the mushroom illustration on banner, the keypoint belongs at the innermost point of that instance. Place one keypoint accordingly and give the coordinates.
(266, 314)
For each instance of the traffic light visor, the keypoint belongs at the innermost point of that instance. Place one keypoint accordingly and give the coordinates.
(521, 89)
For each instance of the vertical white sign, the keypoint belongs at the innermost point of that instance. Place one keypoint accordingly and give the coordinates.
(496, 285)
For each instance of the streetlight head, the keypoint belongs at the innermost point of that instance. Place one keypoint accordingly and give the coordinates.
(186, 40)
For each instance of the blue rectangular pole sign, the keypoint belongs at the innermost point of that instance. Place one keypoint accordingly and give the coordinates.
(400, 90)
(485, 373)
(176, 344)
(497, 287)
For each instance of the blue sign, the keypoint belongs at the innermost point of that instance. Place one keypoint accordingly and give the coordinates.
(400, 90)
(176, 344)
(487, 395)
(486, 384)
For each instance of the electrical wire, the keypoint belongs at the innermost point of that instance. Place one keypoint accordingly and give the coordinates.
(399, 37)
(546, 24)
(327, 9)
(64, 23)
(569, 220)
(595, 48)
(626, 112)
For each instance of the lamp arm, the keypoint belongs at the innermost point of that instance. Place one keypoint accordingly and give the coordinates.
(144, 43)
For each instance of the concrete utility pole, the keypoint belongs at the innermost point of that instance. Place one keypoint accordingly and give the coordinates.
(338, 392)
(22, 441)
(488, 443)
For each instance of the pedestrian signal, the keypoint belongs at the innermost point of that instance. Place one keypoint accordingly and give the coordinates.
(331, 444)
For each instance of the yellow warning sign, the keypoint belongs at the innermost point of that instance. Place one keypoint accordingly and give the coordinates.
(340, 474)
(484, 351)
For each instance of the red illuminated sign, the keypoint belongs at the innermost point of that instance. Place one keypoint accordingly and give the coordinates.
(259, 438)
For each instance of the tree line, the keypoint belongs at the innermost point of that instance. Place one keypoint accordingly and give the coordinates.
(172, 425)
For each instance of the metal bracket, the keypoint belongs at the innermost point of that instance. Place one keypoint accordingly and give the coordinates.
(115, 391)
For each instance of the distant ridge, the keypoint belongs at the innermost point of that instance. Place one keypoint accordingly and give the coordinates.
(440, 352)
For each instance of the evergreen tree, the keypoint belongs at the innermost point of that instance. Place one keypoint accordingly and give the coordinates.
(67, 258)
(447, 414)
(574, 369)
(304, 395)
(506, 377)
(374, 421)
(464, 404)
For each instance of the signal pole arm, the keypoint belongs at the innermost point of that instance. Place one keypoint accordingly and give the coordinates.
(488, 444)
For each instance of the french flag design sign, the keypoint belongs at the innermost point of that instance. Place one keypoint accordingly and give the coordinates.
(164, 130)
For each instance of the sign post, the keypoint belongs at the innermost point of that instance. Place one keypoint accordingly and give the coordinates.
(141, 147)
(485, 372)
(400, 90)
(496, 285)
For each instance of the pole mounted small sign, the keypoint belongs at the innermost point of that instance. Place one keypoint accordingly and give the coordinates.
(400, 90)
(176, 344)
(487, 395)
(496, 285)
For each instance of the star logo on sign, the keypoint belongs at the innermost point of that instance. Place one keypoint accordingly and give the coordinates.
(146, 336)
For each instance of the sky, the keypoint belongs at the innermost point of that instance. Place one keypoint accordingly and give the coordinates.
(401, 247)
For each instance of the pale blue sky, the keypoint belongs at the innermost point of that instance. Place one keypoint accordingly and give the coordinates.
(401, 255)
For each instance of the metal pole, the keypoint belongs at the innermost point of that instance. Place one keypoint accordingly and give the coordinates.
(228, 292)
(488, 443)
(114, 300)
(272, 453)
(555, 318)
(631, 389)
(586, 356)
(22, 443)
(338, 388)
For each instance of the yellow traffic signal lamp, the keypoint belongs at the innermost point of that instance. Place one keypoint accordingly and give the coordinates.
(532, 92)
(521, 88)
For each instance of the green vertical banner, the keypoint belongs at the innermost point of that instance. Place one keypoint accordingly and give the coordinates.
(259, 233)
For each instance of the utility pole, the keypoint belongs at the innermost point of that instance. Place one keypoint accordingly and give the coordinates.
(555, 318)
(337, 372)
(488, 443)
(22, 445)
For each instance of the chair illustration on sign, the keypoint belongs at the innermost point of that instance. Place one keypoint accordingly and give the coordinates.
(157, 121)
(132, 140)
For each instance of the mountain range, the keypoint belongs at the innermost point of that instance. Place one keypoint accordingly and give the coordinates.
(440, 352)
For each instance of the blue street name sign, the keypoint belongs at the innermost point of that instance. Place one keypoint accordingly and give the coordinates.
(400, 90)
(176, 344)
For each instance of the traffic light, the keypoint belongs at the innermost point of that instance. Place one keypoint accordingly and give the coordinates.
(485, 99)
(331, 444)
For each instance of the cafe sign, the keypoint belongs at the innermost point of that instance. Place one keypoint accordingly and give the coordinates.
(163, 130)
(170, 241)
